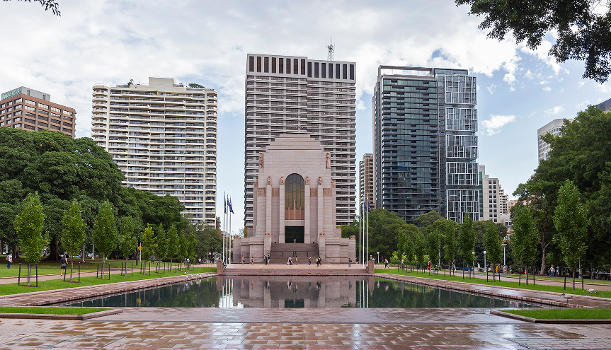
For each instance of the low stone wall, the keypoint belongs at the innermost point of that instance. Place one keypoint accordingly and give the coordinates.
(525, 295)
(76, 293)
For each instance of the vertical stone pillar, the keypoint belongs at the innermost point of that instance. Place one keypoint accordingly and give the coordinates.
(268, 206)
(306, 216)
(321, 246)
(267, 243)
(281, 208)
(321, 209)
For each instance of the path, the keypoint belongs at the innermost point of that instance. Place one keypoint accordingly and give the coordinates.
(253, 329)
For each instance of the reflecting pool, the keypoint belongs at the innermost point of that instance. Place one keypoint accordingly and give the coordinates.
(299, 292)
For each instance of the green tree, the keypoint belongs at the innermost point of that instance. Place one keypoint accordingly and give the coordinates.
(28, 225)
(209, 240)
(525, 238)
(149, 244)
(433, 240)
(73, 232)
(105, 233)
(128, 242)
(570, 221)
(581, 33)
(466, 241)
(162, 244)
(11, 196)
(172, 243)
(47, 5)
(450, 244)
(581, 154)
(493, 244)
(419, 248)
(384, 228)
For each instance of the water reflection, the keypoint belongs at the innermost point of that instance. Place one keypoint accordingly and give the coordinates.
(298, 292)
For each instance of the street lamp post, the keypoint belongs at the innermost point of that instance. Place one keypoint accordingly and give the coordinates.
(472, 272)
(485, 266)
(504, 263)
(378, 257)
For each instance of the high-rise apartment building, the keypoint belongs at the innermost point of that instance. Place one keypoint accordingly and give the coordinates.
(554, 127)
(605, 105)
(163, 138)
(494, 201)
(29, 109)
(425, 147)
(294, 94)
(366, 182)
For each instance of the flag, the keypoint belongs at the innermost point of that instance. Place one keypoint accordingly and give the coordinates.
(224, 204)
(368, 207)
(230, 206)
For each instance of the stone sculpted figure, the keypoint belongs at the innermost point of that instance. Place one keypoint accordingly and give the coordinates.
(282, 180)
(320, 180)
(307, 180)
(269, 180)
(328, 155)
(260, 160)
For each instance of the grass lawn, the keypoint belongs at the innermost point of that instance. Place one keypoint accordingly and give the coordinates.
(51, 310)
(564, 314)
(13, 288)
(458, 278)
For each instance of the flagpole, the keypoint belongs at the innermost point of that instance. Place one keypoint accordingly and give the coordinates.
(230, 240)
(367, 241)
(363, 233)
(358, 252)
(224, 224)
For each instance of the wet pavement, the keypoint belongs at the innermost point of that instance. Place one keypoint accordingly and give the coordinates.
(161, 335)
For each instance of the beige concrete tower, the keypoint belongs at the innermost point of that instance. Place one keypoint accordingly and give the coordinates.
(163, 138)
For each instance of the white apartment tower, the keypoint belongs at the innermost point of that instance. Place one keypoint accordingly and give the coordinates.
(494, 202)
(163, 138)
(555, 128)
(294, 94)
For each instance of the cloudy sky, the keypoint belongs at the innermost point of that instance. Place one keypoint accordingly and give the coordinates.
(206, 42)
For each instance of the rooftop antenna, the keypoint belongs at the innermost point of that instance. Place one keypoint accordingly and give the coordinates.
(331, 50)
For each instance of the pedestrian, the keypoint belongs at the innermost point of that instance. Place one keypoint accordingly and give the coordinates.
(252, 260)
(309, 260)
(9, 260)
(402, 264)
(385, 263)
(63, 264)
(318, 262)
(349, 262)
(289, 261)
(551, 271)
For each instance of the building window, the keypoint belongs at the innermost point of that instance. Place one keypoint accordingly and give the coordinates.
(309, 69)
(295, 66)
(259, 64)
(345, 76)
(331, 70)
(316, 69)
(303, 71)
(324, 70)
(352, 72)
(266, 65)
(294, 197)
(273, 64)
(281, 65)
(288, 66)
(337, 72)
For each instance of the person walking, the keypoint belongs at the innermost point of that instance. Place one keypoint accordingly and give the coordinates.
(385, 263)
(309, 260)
(318, 262)
(63, 265)
(349, 262)
(9, 260)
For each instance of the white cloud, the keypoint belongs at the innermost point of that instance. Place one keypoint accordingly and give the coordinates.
(496, 122)
(529, 74)
(547, 88)
(542, 53)
(553, 111)
(206, 42)
(580, 84)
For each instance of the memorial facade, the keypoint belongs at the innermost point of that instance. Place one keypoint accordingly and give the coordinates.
(294, 206)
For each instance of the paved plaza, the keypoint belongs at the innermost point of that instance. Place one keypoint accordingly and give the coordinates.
(159, 329)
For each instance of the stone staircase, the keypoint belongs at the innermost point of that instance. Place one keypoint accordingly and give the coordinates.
(280, 252)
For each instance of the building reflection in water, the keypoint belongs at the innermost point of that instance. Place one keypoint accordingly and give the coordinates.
(294, 291)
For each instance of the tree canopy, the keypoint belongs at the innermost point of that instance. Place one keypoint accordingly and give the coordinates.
(581, 32)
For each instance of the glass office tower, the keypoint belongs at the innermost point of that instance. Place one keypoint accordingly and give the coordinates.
(425, 147)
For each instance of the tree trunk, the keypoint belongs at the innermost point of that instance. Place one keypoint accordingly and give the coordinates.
(543, 260)
(526, 270)
(573, 278)
(54, 249)
(103, 264)
(30, 274)
(71, 268)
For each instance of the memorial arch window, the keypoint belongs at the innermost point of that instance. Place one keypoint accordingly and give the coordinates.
(294, 197)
